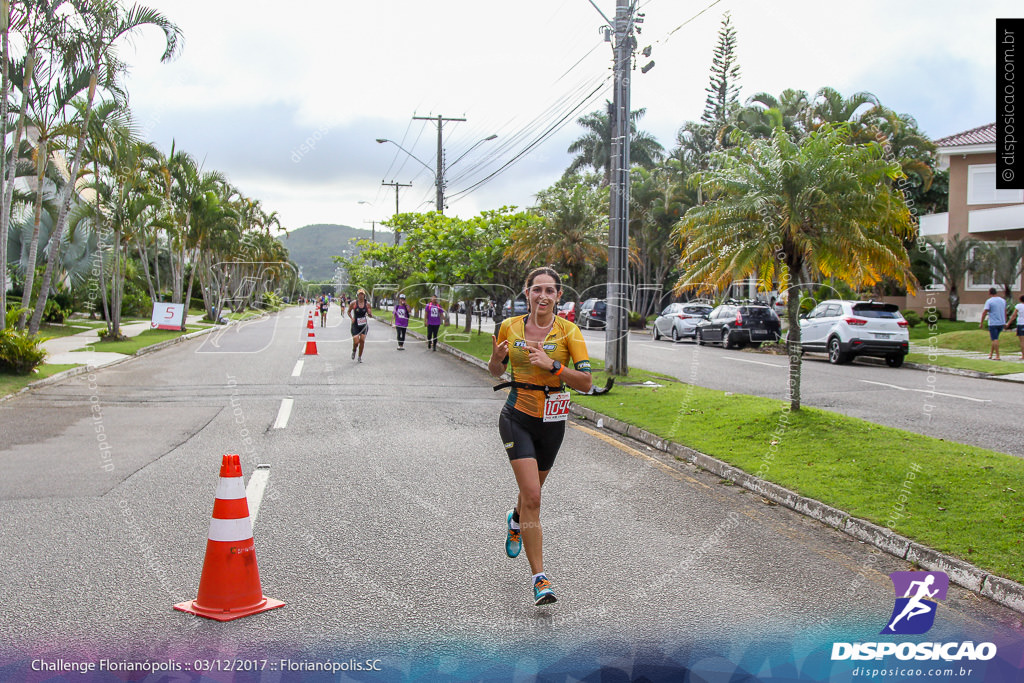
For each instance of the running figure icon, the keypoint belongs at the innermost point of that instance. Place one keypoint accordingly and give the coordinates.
(917, 598)
(914, 605)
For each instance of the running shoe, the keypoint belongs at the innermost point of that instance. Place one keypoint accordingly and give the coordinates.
(360, 359)
(542, 593)
(514, 540)
(353, 355)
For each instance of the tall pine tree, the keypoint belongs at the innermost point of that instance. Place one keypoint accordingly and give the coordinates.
(723, 86)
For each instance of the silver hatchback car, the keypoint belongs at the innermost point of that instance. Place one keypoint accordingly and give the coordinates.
(679, 321)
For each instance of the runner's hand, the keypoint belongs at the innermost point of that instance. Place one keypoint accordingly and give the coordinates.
(498, 351)
(538, 357)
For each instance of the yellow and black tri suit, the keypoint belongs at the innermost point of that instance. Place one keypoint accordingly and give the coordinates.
(521, 424)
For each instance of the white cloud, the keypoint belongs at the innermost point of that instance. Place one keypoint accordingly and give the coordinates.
(257, 80)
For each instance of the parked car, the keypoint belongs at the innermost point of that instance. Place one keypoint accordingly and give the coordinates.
(680, 320)
(593, 313)
(519, 308)
(734, 325)
(847, 329)
(568, 311)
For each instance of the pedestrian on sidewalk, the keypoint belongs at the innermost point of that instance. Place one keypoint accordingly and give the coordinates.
(995, 311)
(433, 314)
(359, 313)
(401, 321)
(543, 353)
(1018, 317)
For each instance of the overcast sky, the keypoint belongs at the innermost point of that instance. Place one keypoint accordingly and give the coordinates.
(288, 98)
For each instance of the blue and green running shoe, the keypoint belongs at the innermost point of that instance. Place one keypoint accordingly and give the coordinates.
(542, 593)
(514, 539)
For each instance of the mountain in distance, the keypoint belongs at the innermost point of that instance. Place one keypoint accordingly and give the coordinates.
(312, 247)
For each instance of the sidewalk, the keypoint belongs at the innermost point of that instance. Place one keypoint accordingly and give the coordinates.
(927, 350)
(61, 351)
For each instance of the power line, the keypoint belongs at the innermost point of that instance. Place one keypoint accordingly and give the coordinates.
(550, 131)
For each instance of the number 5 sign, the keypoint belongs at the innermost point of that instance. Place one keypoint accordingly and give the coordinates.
(167, 316)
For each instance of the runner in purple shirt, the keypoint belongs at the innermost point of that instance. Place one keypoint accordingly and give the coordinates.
(401, 321)
(434, 314)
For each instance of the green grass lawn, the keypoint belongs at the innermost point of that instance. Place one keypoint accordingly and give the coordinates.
(133, 344)
(925, 330)
(978, 340)
(849, 463)
(10, 384)
(991, 367)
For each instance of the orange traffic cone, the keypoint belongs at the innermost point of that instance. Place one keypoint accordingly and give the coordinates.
(229, 587)
(309, 323)
(311, 341)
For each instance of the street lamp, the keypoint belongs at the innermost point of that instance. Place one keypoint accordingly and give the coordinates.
(439, 174)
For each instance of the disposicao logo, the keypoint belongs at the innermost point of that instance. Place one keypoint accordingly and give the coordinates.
(917, 596)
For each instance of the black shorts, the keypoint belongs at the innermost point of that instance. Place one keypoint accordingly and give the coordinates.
(359, 329)
(526, 436)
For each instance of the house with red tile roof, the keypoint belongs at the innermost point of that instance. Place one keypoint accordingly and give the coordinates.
(976, 209)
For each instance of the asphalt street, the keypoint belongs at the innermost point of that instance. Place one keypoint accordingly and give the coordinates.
(382, 528)
(969, 410)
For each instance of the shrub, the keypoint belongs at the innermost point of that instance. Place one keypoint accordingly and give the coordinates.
(19, 352)
(636, 321)
(272, 301)
(912, 318)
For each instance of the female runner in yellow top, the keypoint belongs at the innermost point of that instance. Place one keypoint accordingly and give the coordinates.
(543, 353)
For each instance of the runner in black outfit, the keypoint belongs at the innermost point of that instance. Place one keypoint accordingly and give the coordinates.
(359, 313)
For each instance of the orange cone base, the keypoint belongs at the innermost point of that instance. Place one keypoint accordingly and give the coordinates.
(311, 349)
(228, 614)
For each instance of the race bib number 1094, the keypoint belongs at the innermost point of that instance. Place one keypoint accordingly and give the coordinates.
(556, 407)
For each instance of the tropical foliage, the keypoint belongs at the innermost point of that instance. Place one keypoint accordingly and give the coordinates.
(791, 212)
(89, 205)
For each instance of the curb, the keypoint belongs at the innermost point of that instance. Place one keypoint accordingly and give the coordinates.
(82, 369)
(996, 588)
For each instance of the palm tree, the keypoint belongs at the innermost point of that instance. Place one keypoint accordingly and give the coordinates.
(791, 105)
(35, 22)
(952, 261)
(105, 23)
(785, 209)
(658, 199)
(829, 106)
(1005, 260)
(54, 85)
(5, 89)
(572, 235)
(594, 148)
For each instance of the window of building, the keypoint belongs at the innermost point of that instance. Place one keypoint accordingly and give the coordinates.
(981, 187)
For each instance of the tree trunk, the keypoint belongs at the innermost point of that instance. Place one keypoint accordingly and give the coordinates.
(954, 302)
(144, 257)
(65, 203)
(191, 278)
(8, 196)
(5, 87)
(793, 347)
(468, 303)
(33, 245)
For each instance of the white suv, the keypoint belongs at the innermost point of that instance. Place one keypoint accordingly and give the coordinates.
(845, 329)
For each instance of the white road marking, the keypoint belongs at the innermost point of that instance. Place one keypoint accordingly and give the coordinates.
(254, 491)
(756, 362)
(929, 391)
(298, 369)
(284, 413)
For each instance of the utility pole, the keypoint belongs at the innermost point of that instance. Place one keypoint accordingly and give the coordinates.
(439, 179)
(617, 321)
(398, 233)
